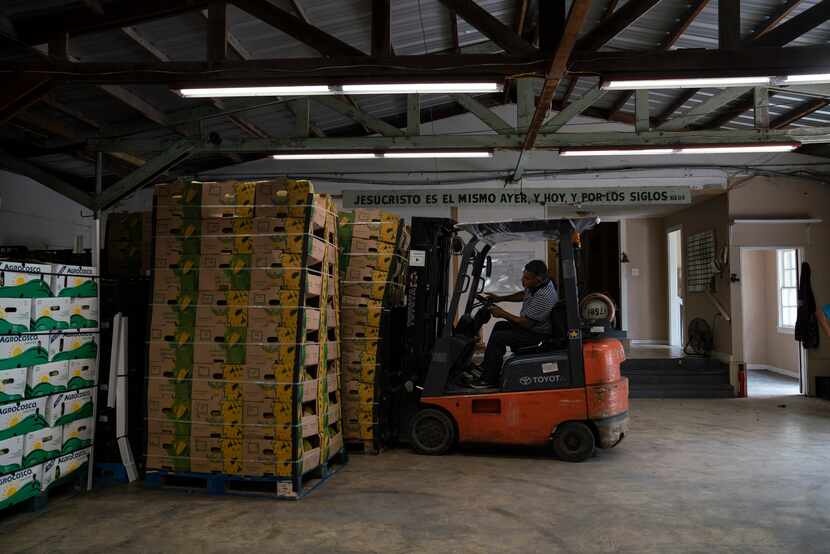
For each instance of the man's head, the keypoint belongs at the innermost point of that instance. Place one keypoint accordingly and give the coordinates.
(535, 274)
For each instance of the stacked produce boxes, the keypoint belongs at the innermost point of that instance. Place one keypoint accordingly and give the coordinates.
(374, 249)
(245, 283)
(128, 242)
(48, 371)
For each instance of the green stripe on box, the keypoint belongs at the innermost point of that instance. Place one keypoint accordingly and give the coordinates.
(87, 289)
(34, 422)
(33, 289)
(35, 355)
(29, 490)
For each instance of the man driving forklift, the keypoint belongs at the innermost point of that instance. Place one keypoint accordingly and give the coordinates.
(529, 328)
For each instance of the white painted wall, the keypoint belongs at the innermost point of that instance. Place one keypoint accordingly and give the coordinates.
(35, 216)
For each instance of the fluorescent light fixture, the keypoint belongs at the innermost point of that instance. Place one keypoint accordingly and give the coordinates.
(450, 154)
(802, 79)
(633, 84)
(420, 88)
(327, 156)
(740, 149)
(617, 152)
(229, 92)
(702, 149)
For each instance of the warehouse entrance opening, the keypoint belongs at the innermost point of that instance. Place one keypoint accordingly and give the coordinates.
(769, 283)
(675, 288)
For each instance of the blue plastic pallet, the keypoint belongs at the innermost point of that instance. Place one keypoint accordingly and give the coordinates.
(221, 484)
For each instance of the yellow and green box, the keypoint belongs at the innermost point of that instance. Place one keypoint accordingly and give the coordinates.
(11, 454)
(15, 315)
(20, 485)
(46, 379)
(82, 373)
(50, 314)
(41, 445)
(75, 346)
(24, 416)
(76, 281)
(66, 407)
(24, 280)
(77, 435)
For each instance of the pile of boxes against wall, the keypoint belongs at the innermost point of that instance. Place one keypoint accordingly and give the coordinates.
(243, 373)
(48, 373)
(127, 244)
(374, 247)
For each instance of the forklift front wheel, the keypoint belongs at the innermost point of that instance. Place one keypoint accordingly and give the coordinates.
(433, 432)
(573, 442)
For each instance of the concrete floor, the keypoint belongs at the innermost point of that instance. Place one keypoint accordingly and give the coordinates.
(761, 382)
(736, 475)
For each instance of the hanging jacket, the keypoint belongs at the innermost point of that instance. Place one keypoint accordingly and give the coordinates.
(806, 324)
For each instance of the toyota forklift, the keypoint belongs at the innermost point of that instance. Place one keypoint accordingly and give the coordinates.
(565, 392)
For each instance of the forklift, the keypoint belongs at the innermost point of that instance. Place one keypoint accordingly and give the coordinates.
(565, 392)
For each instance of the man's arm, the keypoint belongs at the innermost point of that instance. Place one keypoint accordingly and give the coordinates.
(522, 322)
(517, 296)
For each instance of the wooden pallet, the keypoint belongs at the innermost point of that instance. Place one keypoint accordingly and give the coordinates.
(220, 484)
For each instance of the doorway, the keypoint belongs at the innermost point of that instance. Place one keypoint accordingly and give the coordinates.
(773, 358)
(675, 288)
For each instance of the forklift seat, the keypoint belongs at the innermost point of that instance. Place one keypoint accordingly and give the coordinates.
(557, 340)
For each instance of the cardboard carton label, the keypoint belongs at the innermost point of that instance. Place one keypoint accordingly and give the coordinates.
(83, 313)
(50, 314)
(13, 384)
(73, 347)
(70, 463)
(77, 435)
(67, 407)
(19, 486)
(22, 417)
(22, 280)
(41, 445)
(11, 454)
(23, 350)
(46, 379)
(74, 281)
(15, 315)
(82, 373)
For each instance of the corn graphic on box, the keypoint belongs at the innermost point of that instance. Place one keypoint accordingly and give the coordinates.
(20, 485)
(23, 350)
(64, 408)
(41, 445)
(78, 346)
(83, 313)
(11, 454)
(46, 379)
(22, 280)
(50, 314)
(15, 315)
(74, 281)
(25, 416)
(76, 435)
(13, 384)
(81, 373)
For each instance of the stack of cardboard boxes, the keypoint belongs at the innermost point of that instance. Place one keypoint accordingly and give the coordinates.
(48, 368)
(243, 376)
(128, 242)
(374, 252)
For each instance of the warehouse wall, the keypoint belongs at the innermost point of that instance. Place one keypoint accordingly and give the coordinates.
(645, 278)
(710, 215)
(767, 197)
(39, 218)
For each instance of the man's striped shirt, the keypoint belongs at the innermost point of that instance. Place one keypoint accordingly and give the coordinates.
(537, 306)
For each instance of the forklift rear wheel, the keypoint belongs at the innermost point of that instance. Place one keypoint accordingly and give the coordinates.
(573, 442)
(433, 432)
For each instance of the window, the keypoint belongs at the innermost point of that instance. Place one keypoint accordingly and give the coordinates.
(787, 288)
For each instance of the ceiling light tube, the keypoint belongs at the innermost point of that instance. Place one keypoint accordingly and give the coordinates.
(738, 149)
(634, 84)
(813, 78)
(230, 92)
(421, 88)
(616, 152)
(327, 156)
(448, 154)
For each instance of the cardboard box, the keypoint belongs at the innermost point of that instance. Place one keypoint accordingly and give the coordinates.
(219, 344)
(11, 454)
(167, 408)
(177, 227)
(227, 244)
(171, 463)
(129, 227)
(75, 281)
(363, 246)
(281, 278)
(170, 360)
(213, 389)
(50, 314)
(77, 435)
(225, 272)
(182, 195)
(66, 407)
(354, 316)
(170, 427)
(46, 379)
(227, 227)
(384, 231)
(13, 384)
(228, 199)
(25, 280)
(281, 321)
(77, 346)
(24, 416)
(83, 313)
(167, 445)
(222, 308)
(82, 373)
(72, 462)
(127, 258)
(176, 281)
(19, 486)
(274, 298)
(281, 197)
(41, 445)
(214, 411)
(269, 355)
(15, 315)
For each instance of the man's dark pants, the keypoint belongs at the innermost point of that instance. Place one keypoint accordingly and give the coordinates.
(504, 334)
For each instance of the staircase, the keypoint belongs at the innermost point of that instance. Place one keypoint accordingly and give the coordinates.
(686, 377)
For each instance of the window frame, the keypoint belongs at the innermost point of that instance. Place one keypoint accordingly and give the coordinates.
(780, 255)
